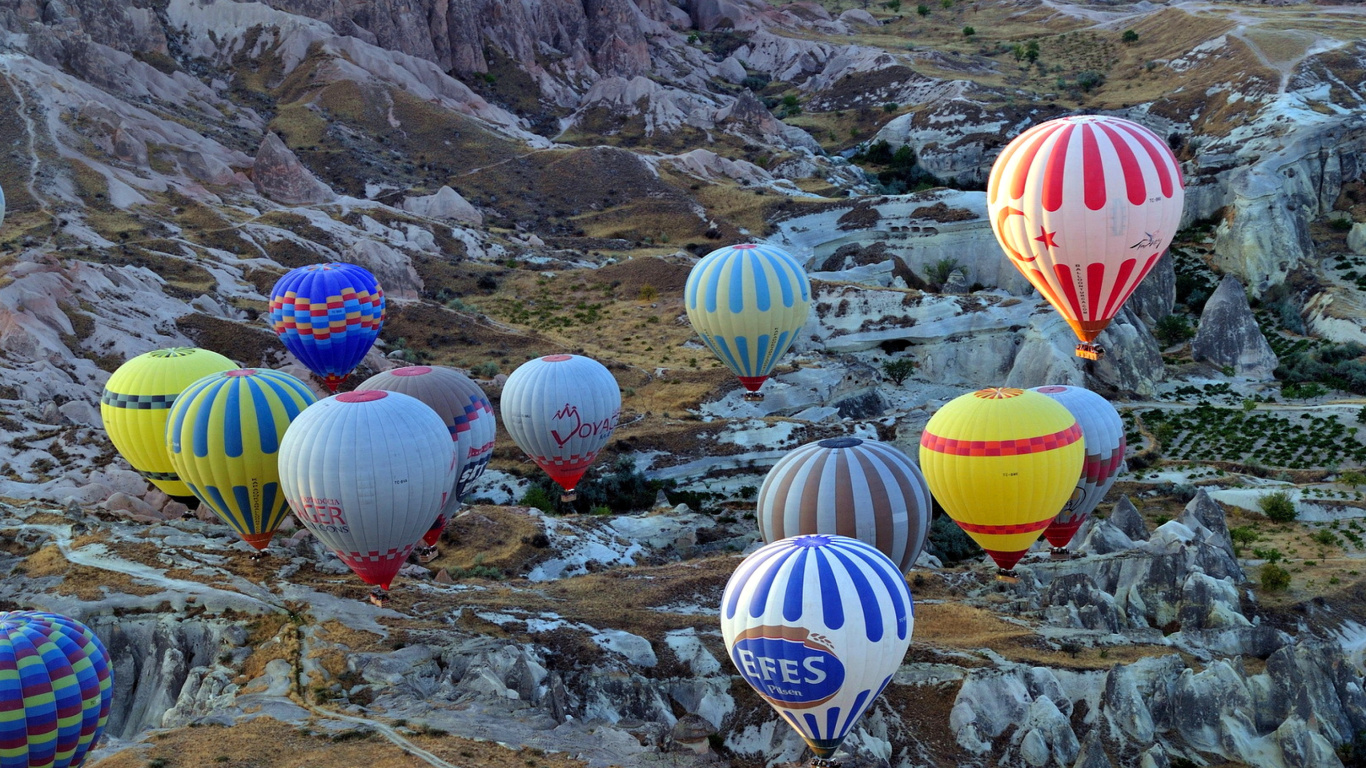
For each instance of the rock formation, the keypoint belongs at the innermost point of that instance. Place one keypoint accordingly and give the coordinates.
(445, 204)
(279, 175)
(1228, 334)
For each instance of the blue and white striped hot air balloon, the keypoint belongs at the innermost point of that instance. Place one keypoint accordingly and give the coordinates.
(818, 625)
(748, 302)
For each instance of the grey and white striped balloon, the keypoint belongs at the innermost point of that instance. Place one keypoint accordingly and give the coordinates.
(862, 489)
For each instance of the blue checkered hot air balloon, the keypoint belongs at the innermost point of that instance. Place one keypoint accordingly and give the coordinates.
(56, 685)
(818, 625)
(748, 302)
(328, 315)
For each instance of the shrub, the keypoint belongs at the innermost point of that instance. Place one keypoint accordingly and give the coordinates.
(969, 31)
(922, 9)
(1278, 507)
(893, 5)
(1352, 478)
(898, 370)
(1173, 329)
(487, 283)
(1326, 538)
(890, 107)
(538, 497)
(1031, 53)
(1270, 554)
(939, 271)
(755, 82)
(648, 292)
(1129, 36)
(485, 370)
(1090, 79)
(1340, 224)
(1275, 578)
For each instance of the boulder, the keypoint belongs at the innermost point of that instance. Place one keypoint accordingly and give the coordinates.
(280, 176)
(731, 70)
(1155, 297)
(391, 267)
(860, 17)
(1126, 518)
(1356, 239)
(446, 204)
(1100, 538)
(1229, 336)
(131, 507)
(957, 283)
(1093, 753)
(1209, 603)
(1076, 602)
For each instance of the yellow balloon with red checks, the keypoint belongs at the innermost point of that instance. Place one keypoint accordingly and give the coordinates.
(1002, 462)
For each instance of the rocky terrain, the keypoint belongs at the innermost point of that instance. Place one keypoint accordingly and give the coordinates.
(538, 177)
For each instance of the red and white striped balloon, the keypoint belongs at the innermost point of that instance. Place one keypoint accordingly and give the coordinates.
(1084, 206)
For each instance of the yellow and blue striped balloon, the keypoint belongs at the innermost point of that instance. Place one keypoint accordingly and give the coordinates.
(224, 438)
(748, 302)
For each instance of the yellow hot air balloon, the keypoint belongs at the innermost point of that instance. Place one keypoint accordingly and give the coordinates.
(748, 302)
(224, 437)
(138, 398)
(1002, 462)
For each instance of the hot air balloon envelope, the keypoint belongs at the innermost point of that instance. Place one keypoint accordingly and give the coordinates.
(224, 436)
(138, 398)
(367, 473)
(468, 415)
(1103, 434)
(328, 315)
(747, 302)
(561, 410)
(862, 489)
(1084, 206)
(1002, 462)
(817, 625)
(56, 687)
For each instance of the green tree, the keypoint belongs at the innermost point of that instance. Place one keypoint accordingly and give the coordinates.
(1129, 36)
(1173, 329)
(893, 5)
(1275, 578)
(897, 370)
(922, 9)
(969, 31)
(1278, 507)
(1352, 478)
(939, 271)
(946, 4)
(1031, 52)
(890, 107)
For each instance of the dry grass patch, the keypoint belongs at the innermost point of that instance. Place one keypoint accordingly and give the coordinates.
(268, 743)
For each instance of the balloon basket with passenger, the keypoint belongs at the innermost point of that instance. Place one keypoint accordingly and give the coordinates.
(1090, 350)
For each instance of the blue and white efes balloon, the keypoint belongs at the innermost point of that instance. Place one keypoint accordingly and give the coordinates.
(818, 625)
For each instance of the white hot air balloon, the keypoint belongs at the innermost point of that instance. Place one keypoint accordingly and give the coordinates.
(561, 410)
(1103, 432)
(367, 473)
(469, 417)
(818, 625)
(862, 489)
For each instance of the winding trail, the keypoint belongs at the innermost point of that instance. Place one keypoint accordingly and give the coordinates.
(387, 732)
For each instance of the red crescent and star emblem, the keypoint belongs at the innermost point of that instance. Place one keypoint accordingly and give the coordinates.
(1046, 238)
(1001, 216)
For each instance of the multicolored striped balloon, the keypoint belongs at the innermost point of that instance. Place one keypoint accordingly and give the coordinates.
(468, 415)
(561, 410)
(1084, 206)
(138, 398)
(818, 625)
(1103, 433)
(747, 302)
(367, 473)
(862, 489)
(56, 686)
(328, 315)
(224, 437)
(1002, 462)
